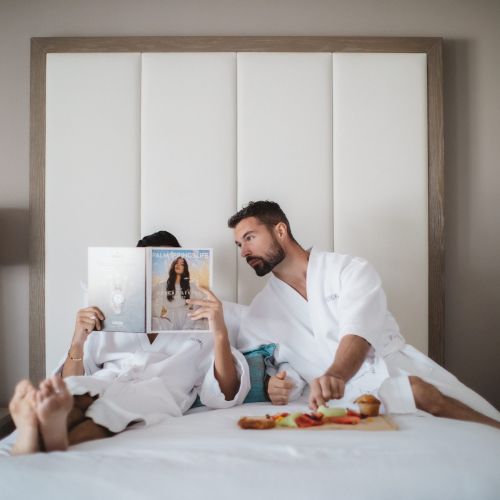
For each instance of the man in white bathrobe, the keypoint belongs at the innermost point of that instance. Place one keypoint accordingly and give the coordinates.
(329, 315)
(114, 379)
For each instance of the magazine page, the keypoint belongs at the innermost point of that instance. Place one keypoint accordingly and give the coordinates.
(173, 276)
(117, 286)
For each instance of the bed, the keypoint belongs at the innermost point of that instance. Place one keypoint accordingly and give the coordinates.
(205, 455)
(345, 115)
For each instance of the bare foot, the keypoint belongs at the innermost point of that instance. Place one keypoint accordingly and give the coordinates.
(22, 410)
(53, 402)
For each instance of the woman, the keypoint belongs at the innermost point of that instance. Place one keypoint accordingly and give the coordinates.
(115, 379)
(173, 311)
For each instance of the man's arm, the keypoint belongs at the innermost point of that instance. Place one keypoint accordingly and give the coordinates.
(351, 353)
(225, 369)
(87, 320)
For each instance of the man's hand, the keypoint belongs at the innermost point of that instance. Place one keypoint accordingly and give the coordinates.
(211, 309)
(325, 388)
(278, 389)
(87, 320)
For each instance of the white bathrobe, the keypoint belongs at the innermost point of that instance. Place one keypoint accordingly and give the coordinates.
(137, 381)
(345, 296)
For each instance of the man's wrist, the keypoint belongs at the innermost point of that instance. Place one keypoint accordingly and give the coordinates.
(332, 372)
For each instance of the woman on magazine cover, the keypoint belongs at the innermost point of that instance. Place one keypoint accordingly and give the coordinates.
(173, 313)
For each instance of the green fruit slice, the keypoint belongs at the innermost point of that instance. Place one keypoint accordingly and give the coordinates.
(332, 412)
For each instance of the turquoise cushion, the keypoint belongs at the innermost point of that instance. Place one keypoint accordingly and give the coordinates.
(256, 360)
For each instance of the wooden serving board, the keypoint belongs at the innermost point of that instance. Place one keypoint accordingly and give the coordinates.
(380, 423)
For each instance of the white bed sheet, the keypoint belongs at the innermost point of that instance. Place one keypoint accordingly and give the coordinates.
(205, 455)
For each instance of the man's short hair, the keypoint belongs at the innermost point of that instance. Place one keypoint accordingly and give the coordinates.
(266, 212)
(159, 239)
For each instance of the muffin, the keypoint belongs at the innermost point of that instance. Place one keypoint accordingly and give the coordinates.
(368, 405)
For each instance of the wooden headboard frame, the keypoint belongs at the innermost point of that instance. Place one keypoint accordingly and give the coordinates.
(40, 47)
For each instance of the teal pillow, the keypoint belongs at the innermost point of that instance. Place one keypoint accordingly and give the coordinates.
(256, 359)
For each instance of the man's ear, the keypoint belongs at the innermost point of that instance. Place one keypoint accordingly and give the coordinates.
(281, 230)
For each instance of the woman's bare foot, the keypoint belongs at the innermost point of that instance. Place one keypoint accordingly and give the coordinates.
(22, 410)
(53, 402)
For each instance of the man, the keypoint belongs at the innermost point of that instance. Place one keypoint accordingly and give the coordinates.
(328, 313)
(115, 379)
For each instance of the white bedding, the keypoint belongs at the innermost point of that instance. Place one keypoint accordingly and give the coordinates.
(205, 455)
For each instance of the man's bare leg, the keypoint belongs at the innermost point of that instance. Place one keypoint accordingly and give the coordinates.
(53, 402)
(22, 410)
(88, 430)
(80, 405)
(431, 400)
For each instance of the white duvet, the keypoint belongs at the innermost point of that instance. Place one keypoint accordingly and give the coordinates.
(204, 455)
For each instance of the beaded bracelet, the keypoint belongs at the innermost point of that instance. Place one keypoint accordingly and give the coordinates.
(72, 358)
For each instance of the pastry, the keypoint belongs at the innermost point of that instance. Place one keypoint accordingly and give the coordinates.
(257, 422)
(369, 405)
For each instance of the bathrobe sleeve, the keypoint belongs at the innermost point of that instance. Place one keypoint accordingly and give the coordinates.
(362, 306)
(210, 392)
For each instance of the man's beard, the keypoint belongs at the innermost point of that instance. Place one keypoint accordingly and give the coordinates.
(270, 260)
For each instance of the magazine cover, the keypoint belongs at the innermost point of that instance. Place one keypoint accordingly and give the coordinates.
(174, 275)
(116, 285)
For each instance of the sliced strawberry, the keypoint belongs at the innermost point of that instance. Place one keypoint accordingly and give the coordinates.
(352, 413)
(347, 420)
(306, 420)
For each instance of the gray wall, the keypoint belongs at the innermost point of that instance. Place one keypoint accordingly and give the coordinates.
(472, 143)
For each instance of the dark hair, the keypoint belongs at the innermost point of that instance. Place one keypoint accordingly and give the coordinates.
(159, 239)
(268, 213)
(172, 275)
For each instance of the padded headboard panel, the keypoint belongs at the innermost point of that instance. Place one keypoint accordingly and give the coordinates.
(137, 142)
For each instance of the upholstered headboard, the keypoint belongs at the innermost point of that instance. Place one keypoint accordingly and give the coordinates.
(134, 135)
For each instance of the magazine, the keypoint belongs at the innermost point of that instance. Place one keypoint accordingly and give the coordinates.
(144, 290)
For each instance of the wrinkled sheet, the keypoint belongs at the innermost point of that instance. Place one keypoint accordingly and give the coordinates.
(205, 455)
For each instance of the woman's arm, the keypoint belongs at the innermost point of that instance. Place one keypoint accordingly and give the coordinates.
(87, 320)
(225, 369)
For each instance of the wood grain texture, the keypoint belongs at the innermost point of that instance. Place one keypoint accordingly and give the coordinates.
(236, 44)
(41, 46)
(37, 213)
(436, 201)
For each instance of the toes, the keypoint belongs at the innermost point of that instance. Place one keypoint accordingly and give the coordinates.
(61, 390)
(59, 385)
(30, 395)
(21, 389)
(46, 388)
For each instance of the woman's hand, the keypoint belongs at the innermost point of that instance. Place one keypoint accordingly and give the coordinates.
(211, 309)
(224, 364)
(87, 320)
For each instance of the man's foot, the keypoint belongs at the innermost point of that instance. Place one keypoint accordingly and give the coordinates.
(22, 410)
(53, 402)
